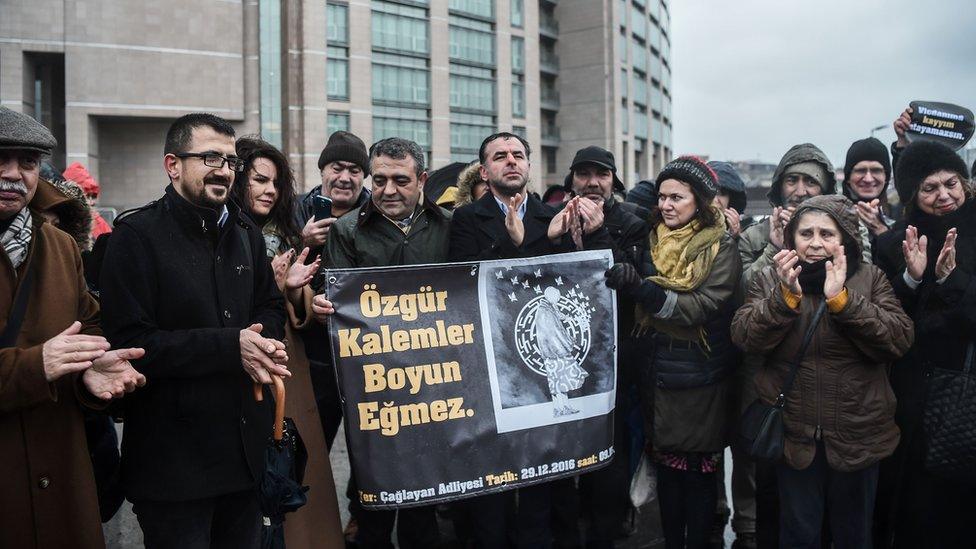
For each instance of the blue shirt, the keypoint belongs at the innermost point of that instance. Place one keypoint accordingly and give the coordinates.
(504, 206)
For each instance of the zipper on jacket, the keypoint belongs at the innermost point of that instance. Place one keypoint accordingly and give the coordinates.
(818, 432)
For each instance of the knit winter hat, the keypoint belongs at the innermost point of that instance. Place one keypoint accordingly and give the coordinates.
(731, 182)
(644, 194)
(345, 147)
(921, 159)
(21, 132)
(867, 149)
(693, 171)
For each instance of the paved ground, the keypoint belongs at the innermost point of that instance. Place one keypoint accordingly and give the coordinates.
(122, 532)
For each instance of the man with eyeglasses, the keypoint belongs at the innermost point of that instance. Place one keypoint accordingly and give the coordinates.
(187, 279)
(867, 173)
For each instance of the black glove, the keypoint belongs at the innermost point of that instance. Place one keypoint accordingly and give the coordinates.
(623, 277)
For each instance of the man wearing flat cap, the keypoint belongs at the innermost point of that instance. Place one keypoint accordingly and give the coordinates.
(53, 358)
(605, 494)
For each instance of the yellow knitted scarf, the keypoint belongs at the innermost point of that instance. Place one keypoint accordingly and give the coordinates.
(683, 258)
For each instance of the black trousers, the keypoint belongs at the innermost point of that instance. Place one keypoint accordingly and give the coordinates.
(232, 521)
(605, 494)
(806, 496)
(416, 528)
(524, 520)
(687, 500)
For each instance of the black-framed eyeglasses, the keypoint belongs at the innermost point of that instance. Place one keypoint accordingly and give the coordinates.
(214, 160)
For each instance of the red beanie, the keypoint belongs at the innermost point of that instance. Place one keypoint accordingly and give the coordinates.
(77, 173)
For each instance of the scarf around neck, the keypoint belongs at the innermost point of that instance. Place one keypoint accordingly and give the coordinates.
(683, 258)
(16, 239)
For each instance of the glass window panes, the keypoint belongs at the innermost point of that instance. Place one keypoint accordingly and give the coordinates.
(622, 10)
(666, 80)
(624, 118)
(518, 99)
(337, 23)
(472, 88)
(665, 50)
(638, 23)
(654, 37)
(518, 55)
(667, 107)
(269, 27)
(469, 130)
(481, 8)
(657, 99)
(622, 46)
(624, 84)
(398, 27)
(400, 84)
(338, 121)
(473, 46)
(655, 63)
(517, 15)
(403, 122)
(337, 73)
(639, 53)
(640, 89)
(640, 123)
(519, 131)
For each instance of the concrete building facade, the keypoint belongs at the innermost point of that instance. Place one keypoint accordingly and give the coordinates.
(109, 76)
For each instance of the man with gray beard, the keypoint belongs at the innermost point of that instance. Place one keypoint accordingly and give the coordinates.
(53, 358)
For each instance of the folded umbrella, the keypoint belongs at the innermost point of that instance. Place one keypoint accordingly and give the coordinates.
(280, 490)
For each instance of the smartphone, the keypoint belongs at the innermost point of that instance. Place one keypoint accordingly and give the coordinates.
(323, 207)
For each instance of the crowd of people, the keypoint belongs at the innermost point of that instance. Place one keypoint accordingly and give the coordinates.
(840, 306)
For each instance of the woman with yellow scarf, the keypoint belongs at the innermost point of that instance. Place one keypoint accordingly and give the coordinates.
(685, 302)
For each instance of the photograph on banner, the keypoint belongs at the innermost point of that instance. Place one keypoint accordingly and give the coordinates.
(945, 123)
(467, 378)
(540, 325)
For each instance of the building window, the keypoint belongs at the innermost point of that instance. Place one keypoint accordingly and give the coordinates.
(400, 28)
(338, 121)
(400, 79)
(624, 117)
(520, 131)
(640, 89)
(472, 88)
(337, 73)
(622, 46)
(480, 8)
(413, 124)
(269, 61)
(337, 23)
(622, 9)
(550, 155)
(623, 83)
(471, 41)
(517, 12)
(518, 55)
(468, 131)
(656, 99)
(518, 99)
(640, 56)
(638, 23)
(640, 122)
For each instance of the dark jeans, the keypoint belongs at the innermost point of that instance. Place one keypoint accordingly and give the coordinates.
(416, 528)
(232, 521)
(806, 496)
(687, 500)
(530, 524)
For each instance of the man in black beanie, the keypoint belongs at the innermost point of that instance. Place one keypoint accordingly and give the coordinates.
(344, 165)
(867, 172)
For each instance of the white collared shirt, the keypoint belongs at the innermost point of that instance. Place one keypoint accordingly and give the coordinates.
(504, 206)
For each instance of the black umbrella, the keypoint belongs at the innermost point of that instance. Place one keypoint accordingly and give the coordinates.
(280, 490)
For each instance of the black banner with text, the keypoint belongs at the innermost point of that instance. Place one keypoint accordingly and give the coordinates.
(468, 378)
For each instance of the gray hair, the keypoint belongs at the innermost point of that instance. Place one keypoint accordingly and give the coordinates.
(398, 148)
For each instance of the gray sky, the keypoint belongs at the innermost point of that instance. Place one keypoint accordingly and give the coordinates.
(753, 77)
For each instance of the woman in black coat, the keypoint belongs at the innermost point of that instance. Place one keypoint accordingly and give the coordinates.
(930, 259)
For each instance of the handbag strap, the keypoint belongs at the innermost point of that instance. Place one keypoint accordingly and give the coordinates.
(19, 308)
(807, 338)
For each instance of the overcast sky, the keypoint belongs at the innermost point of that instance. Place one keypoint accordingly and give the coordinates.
(753, 77)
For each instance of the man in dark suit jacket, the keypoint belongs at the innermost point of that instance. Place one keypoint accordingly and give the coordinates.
(187, 279)
(506, 223)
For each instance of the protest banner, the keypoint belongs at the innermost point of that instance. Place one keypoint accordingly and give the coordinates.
(945, 123)
(469, 378)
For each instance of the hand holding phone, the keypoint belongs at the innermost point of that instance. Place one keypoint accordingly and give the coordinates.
(322, 206)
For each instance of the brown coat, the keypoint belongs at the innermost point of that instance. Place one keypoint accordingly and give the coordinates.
(316, 525)
(47, 491)
(842, 383)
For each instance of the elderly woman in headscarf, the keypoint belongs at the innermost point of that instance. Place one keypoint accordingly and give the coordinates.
(686, 298)
(839, 411)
